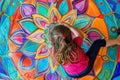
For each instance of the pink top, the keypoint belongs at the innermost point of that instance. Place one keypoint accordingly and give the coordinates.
(81, 64)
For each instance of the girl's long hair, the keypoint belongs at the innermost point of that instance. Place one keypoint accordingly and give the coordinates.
(63, 44)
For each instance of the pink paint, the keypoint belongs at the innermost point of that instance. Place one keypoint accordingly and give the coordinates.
(38, 36)
(43, 23)
(93, 36)
(28, 10)
(18, 38)
(51, 0)
(80, 5)
(44, 50)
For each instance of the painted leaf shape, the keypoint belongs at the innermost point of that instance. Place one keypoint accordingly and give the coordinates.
(40, 21)
(94, 34)
(42, 9)
(83, 22)
(42, 51)
(28, 10)
(63, 7)
(18, 37)
(54, 15)
(27, 25)
(69, 18)
(80, 5)
(37, 36)
(30, 62)
(44, 68)
(29, 48)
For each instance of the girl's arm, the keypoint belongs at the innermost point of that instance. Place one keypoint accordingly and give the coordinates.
(77, 32)
(113, 42)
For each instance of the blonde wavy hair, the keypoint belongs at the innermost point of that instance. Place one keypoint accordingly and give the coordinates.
(63, 44)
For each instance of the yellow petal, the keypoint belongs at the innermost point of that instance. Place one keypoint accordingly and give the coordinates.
(69, 18)
(37, 36)
(40, 21)
(54, 14)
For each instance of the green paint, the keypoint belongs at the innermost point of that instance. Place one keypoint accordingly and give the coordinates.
(42, 10)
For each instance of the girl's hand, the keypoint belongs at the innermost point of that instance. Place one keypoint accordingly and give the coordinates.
(77, 32)
(118, 40)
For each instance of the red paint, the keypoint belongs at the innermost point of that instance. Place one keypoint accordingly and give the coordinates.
(44, 50)
(55, 18)
(119, 1)
(2, 13)
(101, 16)
(100, 2)
(26, 62)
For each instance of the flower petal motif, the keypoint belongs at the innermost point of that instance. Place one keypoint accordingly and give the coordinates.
(27, 10)
(69, 18)
(83, 22)
(27, 25)
(29, 48)
(40, 21)
(42, 51)
(42, 66)
(22, 63)
(92, 9)
(37, 36)
(18, 37)
(63, 6)
(30, 63)
(54, 15)
(101, 26)
(94, 34)
(80, 5)
(42, 9)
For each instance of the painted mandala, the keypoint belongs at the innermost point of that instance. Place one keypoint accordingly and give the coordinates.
(25, 48)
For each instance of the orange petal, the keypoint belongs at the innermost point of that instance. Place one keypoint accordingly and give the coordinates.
(98, 65)
(92, 9)
(42, 51)
(100, 24)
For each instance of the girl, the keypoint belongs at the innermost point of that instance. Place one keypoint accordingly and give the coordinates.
(68, 51)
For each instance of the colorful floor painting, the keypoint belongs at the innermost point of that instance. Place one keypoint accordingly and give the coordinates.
(24, 37)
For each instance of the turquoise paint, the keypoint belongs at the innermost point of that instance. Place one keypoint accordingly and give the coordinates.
(30, 46)
(30, 26)
(63, 8)
(42, 10)
(10, 68)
